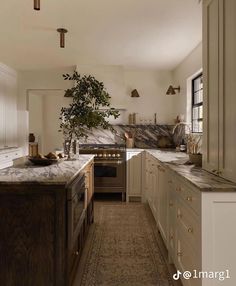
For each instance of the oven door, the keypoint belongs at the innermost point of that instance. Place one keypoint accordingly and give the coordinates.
(109, 176)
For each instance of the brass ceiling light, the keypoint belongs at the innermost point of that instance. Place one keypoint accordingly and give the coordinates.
(134, 93)
(62, 32)
(171, 90)
(37, 5)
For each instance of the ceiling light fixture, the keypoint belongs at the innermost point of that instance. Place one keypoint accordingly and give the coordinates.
(62, 32)
(37, 5)
(134, 93)
(171, 90)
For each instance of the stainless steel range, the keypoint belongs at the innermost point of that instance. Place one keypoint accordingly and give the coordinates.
(109, 167)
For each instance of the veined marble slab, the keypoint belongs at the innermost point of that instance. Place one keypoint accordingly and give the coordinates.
(59, 173)
(145, 136)
(196, 176)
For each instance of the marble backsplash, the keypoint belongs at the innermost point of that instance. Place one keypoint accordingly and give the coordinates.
(145, 136)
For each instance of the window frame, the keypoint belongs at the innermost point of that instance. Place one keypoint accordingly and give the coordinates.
(196, 104)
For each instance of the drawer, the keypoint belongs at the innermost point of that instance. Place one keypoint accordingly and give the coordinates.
(186, 259)
(190, 195)
(188, 224)
(10, 154)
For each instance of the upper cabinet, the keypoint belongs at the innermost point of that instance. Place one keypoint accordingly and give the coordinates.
(219, 83)
(8, 107)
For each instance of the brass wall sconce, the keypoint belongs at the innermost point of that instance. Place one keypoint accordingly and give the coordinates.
(134, 93)
(171, 90)
(62, 32)
(37, 5)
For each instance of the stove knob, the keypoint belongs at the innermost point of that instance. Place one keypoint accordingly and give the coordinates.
(113, 155)
(104, 155)
(118, 155)
(108, 155)
(100, 155)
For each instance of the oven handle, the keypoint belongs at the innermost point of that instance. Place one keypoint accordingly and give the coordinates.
(105, 163)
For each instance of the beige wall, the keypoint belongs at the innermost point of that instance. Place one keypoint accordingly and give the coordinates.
(119, 81)
(151, 85)
(36, 80)
(182, 75)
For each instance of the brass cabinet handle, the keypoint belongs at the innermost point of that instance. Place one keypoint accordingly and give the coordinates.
(190, 230)
(189, 199)
(178, 189)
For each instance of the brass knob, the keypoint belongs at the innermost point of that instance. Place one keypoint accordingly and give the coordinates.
(190, 230)
(179, 254)
(76, 253)
(189, 199)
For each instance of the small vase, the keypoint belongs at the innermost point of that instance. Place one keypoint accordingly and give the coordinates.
(31, 137)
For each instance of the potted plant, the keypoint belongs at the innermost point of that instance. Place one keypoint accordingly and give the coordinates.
(90, 108)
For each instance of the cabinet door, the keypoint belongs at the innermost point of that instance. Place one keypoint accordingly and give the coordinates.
(162, 202)
(211, 85)
(227, 150)
(2, 110)
(134, 174)
(154, 188)
(11, 111)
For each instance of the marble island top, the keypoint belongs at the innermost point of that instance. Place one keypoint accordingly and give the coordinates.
(59, 173)
(198, 177)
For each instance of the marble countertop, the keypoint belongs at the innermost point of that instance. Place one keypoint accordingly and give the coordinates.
(59, 173)
(196, 176)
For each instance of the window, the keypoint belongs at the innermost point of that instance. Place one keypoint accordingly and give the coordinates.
(197, 104)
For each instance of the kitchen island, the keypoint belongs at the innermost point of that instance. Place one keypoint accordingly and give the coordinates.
(45, 215)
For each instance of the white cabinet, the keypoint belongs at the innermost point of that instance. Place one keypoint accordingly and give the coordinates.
(162, 201)
(156, 192)
(8, 107)
(134, 174)
(8, 155)
(219, 66)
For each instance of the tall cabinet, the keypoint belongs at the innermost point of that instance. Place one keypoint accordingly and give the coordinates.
(8, 107)
(219, 65)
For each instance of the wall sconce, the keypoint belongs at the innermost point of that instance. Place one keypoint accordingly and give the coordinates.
(134, 93)
(37, 5)
(171, 90)
(62, 32)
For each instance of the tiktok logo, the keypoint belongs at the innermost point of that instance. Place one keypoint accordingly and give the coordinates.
(177, 275)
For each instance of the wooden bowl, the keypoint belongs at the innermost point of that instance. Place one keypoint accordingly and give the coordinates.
(42, 161)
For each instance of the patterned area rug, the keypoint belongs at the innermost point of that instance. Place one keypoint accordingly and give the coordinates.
(124, 249)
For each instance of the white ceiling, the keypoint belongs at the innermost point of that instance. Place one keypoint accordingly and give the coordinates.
(135, 33)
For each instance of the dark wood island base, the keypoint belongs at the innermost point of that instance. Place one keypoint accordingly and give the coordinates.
(43, 228)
